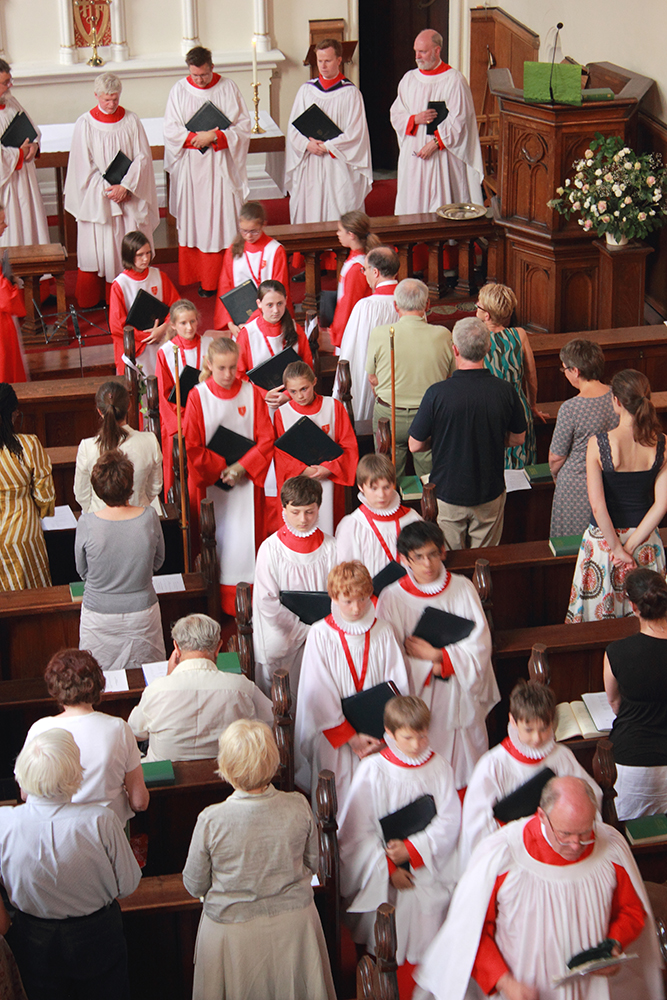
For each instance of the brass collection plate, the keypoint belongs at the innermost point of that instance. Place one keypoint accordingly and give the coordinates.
(461, 211)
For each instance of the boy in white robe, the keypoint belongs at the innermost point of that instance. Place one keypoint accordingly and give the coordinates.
(371, 531)
(372, 871)
(297, 557)
(457, 682)
(347, 652)
(25, 214)
(528, 748)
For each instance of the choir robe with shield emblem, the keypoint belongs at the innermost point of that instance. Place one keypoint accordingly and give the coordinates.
(124, 291)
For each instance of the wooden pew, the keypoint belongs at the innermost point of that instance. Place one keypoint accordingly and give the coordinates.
(376, 980)
(160, 918)
(68, 363)
(62, 411)
(63, 464)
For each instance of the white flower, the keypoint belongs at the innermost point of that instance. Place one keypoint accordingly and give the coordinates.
(588, 153)
(624, 151)
(580, 221)
(580, 165)
(560, 191)
(576, 206)
(578, 183)
(627, 201)
(567, 183)
(642, 216)
(657, 196)
(598, 172)
(598, 183)
(609, 178)
(617, 214)
(617, 191)
(638, 165)
(589, 163)
(651, 211)
(627, 165)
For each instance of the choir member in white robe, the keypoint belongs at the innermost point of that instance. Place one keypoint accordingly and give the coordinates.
(382, 784)
(25, 214)
(380, 267)
(371, 531)
(104, 212)
(297, 557)
(347, 652)
(536, 893)
(446, 167)
(456, 682)
(207, 188)
(327, 179)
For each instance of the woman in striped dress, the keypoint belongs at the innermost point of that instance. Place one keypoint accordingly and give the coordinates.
(27, 494)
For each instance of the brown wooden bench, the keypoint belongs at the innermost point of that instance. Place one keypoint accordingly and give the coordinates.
(67, 363)
(61, 411)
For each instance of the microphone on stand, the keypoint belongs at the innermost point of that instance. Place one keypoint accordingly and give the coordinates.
(553, 60)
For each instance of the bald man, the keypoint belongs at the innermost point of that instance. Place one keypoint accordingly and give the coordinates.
(534, 894)
(445, 167)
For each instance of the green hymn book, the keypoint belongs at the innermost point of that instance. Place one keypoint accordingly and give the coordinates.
(158, 772)
(568, 545)
(647, 829)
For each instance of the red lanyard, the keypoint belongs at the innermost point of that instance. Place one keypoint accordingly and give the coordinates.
(358, 681)
(369, 517)
(257, 278)
(266, 339)
(182, 352)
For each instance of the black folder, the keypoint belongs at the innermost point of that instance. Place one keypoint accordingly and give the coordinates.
(145, 310)
(188, 380)
(241, 302)
(269, 375)
(316, 124)
(230, 445)
(442, 111)
(440, 628)
(409, 820)
(208, 117)
(365, 710)
(390, 574)
(19, 129)
(309, 605)
(525, 799)
(308, 443)
(118, 167)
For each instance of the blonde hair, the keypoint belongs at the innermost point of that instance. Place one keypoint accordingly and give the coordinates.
(348, 579)
(221, 345)
(372, 468)
(248, 757)
(499, 301)
(107, 83)
(49, 766)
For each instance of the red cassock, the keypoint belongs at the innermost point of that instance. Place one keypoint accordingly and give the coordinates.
(124, 291)
(240, 528)
(352, 286)
(331, 416)
(259, 261)
(258, 341)
(12, 368)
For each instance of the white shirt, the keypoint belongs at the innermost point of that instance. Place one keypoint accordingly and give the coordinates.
(184, 713)
(143, 450)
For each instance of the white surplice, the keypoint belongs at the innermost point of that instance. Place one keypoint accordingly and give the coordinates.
(101, 223)
(355, 538)
(25, 214)
(323, 188)
(207, 189)
(459, 705)
(450, 175)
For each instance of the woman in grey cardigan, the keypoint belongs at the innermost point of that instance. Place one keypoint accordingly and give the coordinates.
(252, 858)
(117, 550)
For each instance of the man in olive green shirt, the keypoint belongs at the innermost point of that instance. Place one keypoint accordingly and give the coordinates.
(423, 355)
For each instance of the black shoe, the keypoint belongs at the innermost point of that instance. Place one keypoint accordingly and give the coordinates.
(206, 293)
(301, 276)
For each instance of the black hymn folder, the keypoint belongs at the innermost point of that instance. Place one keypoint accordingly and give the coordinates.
(188, 380)
(269, 375)
(145, 309)
(390, 574)
(409, 820)
(208, 117)
(241, 302)
(308, 443)
(365, 710)
(314, 123)
(440, 628)
(309, 605)
(230, 445)
(442, 111)
(525, 799)
(19, 129)
(117, 169)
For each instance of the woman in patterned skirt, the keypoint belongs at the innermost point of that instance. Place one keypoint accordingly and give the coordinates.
(627, 487)
(27, 494)
(511, 358)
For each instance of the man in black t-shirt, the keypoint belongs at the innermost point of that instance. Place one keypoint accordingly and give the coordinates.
(468, 421)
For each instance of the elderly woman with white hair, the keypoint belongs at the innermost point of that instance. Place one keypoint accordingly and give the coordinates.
(63, 867)
(106, 210)
(253, 857)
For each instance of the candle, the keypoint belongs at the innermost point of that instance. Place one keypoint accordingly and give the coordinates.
(254, 60)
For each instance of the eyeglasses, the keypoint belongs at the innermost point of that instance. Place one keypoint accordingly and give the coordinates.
(571, 837)
(566, 368)
(249, 232)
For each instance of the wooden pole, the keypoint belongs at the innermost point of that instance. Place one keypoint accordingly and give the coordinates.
(184, 499)
(393, 395)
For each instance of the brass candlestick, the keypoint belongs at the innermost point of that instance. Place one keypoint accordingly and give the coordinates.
(92, 9)
(257, 128)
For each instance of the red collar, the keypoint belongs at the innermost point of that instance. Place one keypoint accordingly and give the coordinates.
(355, 253)
(186, 345)
(513, 752)
(440, 68)
(99, 116)
(221, 393)
(260, 244)
(328, 84)
(295, 543)
(312, 408)
(385, 289)
(393, 759)
(538, 848)
(136, 275)
(269, 329)
(216, 79)
(410, 588)
(378, 515)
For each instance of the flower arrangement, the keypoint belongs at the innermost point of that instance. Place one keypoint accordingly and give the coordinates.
(615, 191)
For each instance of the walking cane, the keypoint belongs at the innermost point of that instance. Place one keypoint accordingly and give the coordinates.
(393, 395)
(181, 465)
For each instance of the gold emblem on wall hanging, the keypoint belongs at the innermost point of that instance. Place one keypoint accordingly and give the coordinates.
(91, 26)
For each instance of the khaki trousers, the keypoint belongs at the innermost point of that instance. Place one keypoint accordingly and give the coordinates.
(472, 527)
(404, 418)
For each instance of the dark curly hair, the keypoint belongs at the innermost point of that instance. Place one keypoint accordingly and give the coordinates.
(74, 677)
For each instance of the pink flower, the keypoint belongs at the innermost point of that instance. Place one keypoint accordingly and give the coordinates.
(588, 224)
(650, 181)
(641, 216)
(602, 206)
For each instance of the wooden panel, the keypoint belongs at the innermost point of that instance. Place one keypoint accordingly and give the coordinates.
(622, 282)
(509, 42)
(653, 138)
(60, 412)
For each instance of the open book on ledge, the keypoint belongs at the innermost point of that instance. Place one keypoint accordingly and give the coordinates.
(592, 717)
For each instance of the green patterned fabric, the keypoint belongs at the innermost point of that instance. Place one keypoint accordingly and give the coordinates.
(505, 360)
